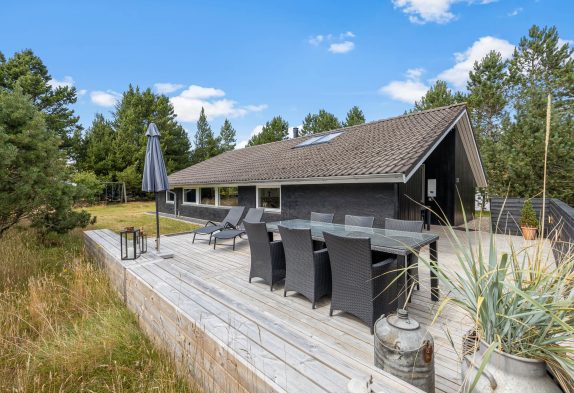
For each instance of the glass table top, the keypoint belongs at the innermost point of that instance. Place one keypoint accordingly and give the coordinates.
(399, 242)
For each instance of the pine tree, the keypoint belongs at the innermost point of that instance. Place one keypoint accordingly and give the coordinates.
(131, 117)
(275, 130)
(487, 101)
(27, 70)
(438, 95)
(538, 67)
(115, 149)
(34, 178)
(320, 122)
(206, 145)
(227, 136)
(99, 153)
(355, 117)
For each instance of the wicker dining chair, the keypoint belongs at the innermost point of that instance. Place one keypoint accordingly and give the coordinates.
(360, 287)
(307, 271)
(408, 226)
(359, 221)
(322, 217)
(267, 257)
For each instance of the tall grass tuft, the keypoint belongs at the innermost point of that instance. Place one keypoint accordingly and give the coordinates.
(521, 302)
(62, 328)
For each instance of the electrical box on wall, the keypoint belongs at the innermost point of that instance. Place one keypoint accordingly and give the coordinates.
(431, 188)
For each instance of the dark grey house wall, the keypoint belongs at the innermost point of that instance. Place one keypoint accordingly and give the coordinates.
(412, 195)
(465, 185)
(378, 200)
(456, 187)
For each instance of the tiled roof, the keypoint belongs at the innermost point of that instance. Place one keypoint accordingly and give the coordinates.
(390, 146)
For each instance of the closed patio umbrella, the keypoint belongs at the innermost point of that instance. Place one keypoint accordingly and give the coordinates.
(154, 174)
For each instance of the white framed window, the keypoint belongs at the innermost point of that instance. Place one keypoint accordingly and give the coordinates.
(208, 196)
(228, 196)
(269, 198)
(169, 196)
(190, 196)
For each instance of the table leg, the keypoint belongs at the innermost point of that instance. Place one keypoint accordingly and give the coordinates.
(434, 279)
(270, 234)
(410, 281)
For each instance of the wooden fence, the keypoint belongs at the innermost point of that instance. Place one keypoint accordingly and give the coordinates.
(559, 225)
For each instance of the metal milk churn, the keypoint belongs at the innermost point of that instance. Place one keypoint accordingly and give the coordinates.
(404, 349)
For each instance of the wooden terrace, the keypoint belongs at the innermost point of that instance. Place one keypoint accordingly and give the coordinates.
(232, 336)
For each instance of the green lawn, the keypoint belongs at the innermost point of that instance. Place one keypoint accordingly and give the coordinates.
(118, 216)
(62, 327)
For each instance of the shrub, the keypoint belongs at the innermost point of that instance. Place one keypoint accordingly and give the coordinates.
(528, 216)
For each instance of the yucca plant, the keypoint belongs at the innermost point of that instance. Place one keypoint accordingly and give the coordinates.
(521, 303)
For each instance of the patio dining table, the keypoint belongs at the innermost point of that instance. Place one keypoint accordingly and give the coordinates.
(400, 243)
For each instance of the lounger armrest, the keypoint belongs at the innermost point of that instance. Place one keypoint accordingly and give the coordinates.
(229, 226)
(210, 222)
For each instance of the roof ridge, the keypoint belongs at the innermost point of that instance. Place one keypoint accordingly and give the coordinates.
(367, 123)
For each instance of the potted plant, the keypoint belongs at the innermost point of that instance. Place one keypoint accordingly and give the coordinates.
(522, 306)
(528, 221)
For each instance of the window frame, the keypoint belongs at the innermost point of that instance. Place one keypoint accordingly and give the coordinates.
(167, 192)
(267, 209)
(218, 197)
(184, 202)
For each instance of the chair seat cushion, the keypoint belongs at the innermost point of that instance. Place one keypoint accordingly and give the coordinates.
(228, 233)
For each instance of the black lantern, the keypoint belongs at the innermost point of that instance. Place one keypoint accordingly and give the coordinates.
(142, 240)
(129, 247)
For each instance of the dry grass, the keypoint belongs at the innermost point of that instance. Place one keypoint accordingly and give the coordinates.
(62, 328)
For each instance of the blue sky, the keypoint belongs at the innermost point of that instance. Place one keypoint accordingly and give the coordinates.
(250, 61)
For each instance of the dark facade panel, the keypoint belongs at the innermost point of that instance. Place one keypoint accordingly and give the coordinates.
(465, 184)
(375, 199)
(412, 196)
(440, 166)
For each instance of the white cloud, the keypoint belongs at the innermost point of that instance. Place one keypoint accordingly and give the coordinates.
(105, 98)
(255, 131)
(82, 92)
(68, 81)
(562, 41)
(409, 90)
(515, 11)
(337, 44)
(458, 74)
(436, 11)
(188, 104)
(316, 40)
(342, 47)
(166, 88)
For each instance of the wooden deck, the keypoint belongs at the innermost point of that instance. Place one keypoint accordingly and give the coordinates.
(234, 336)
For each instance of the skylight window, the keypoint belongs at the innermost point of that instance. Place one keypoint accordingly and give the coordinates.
(316, 140)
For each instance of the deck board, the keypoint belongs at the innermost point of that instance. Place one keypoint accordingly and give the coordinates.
(257, 340)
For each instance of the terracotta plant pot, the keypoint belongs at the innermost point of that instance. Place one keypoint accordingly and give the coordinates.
(529, 233)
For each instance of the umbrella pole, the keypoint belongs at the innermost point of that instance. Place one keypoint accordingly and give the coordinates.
(157, 222)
